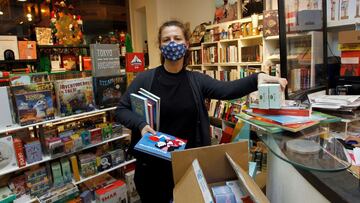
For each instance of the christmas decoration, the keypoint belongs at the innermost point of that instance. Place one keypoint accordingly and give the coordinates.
(66, 27)
(128, 44)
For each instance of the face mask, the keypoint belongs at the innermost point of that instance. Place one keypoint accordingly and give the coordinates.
(173, 51)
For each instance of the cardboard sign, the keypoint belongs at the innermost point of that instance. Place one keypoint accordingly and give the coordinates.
(134, 62)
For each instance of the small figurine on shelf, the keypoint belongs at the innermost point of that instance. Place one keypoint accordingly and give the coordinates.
(230, 32)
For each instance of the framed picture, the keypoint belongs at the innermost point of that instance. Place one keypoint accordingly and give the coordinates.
(225, 10)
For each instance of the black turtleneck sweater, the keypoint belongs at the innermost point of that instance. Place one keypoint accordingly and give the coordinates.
(178, 111)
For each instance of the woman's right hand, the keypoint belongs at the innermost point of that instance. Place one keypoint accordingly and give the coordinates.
(147, 129)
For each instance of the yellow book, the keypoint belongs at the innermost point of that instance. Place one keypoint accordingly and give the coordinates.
(75, 168)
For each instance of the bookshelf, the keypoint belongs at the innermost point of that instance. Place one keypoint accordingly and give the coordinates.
(227, 53)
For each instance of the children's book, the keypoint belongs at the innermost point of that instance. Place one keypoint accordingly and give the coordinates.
(139, 106)
(155, 102)
(160, 145)
(286, 120)
(274, 127)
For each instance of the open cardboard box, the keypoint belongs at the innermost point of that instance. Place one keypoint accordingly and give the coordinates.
(196, 169)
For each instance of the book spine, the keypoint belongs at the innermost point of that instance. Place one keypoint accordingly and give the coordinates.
(75, 168)
(289, 112)
(19, 152)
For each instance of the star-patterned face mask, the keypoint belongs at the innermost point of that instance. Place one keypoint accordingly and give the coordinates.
(173, 51)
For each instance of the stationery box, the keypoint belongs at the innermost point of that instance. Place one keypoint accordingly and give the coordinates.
(223, 193)
(7, 153)
(7, 117)
(113, 193)
(33, 151)
(274, 96)
(263, 96)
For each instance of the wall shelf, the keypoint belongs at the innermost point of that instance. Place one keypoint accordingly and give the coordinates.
(47, 158)
(57, 119)
(103, 172)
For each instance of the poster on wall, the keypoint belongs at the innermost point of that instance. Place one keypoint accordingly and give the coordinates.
(225, 10)
(343, 12)
(135, 62)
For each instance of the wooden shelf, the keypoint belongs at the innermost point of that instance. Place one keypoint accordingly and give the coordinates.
(57, 119)
(194, 48)
(224, 24)
(62, 47)
(228, 40)
(210, 43)
(250, 63)
(103, 172)
(229, 64)
(251, 37)
(47, 158)
(19, 61)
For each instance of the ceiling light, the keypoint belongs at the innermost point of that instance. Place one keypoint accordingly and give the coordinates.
(21, 22)
(29, 15)
(43, 10)
(29, 19)
(1, 13)
(22, 0)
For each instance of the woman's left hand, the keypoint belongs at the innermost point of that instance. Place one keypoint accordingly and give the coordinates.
(265, 78)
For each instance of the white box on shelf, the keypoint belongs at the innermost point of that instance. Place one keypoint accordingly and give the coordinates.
(9, 42)
(7, 118)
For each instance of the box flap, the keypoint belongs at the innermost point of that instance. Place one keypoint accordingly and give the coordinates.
(192, 187)
(212, 160)
(247, 182)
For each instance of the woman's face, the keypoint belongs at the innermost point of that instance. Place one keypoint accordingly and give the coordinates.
(172, 33)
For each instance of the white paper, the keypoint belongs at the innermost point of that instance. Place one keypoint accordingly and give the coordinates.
(357, 156)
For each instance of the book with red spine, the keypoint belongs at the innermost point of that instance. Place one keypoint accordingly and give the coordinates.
(289, 112)
(19, 152)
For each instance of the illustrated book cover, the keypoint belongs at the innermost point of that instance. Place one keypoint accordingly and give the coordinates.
(74, 96)
(33, 107)
(105, 60)
(160, 145)
(139, 105)
(108, 90)
(155, 103)
(27, 49)
(43, 36)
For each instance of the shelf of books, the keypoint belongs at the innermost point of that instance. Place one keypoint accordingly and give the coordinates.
(47, 158)
(57, 119)
(103, 172)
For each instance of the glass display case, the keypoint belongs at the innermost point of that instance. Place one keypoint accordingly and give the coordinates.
(301, 37)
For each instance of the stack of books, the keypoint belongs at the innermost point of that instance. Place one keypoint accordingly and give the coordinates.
(147, 105)
(275, 120)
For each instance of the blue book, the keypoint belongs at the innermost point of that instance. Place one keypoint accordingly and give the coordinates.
(139, 105)
(155, 101)
(160, 145)
(286, 120)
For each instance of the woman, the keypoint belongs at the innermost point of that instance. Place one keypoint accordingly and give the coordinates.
(183, 112)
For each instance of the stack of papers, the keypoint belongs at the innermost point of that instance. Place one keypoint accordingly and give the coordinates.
(319, 100)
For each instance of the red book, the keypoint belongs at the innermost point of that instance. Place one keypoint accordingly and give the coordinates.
(19, 152)
(289, 112)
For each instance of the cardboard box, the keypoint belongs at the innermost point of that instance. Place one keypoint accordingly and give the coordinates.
(195, 169)
(263, 96)
(349, 37)
(113, 193)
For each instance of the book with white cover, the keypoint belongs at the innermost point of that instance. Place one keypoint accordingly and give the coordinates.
(8, 42)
